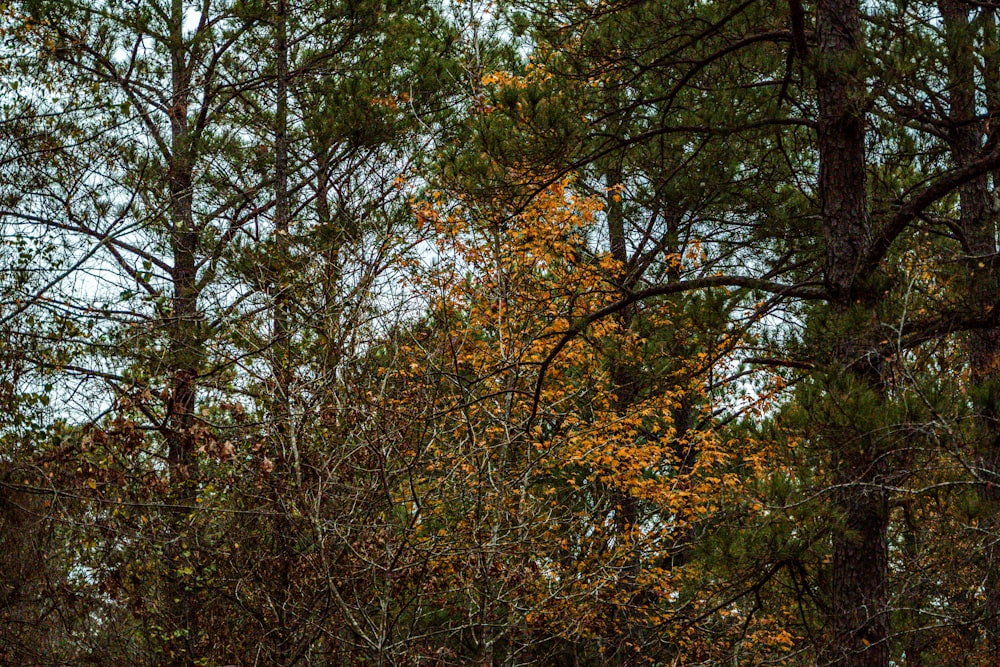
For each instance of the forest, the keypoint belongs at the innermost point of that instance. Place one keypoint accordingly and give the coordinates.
(499, 332)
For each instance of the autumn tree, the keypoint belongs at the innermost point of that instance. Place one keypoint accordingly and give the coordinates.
(536, 332)
(806, 68)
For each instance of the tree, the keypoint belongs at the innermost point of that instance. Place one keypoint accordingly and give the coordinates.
(160, 136)
(854, 248)
(534, 465)
(579, 333)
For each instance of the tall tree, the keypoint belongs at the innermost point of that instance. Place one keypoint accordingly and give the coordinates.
(853, 248)
(966, 134)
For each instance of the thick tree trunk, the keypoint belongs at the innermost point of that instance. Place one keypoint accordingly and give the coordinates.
(857, 619)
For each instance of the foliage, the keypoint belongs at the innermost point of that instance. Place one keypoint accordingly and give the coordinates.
(396, 332)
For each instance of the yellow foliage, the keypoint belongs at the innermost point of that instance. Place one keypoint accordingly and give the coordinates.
(556, 474)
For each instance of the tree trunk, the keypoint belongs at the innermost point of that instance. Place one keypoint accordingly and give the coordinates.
(185, 354)
(978, 228)
(857, 618)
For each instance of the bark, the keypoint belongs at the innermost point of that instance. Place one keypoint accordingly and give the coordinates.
(978, 227)
(185, 347)
(841, 129)
(282, 245)
(857, 618)
(283, 643)
(185, 354)
(281, 205)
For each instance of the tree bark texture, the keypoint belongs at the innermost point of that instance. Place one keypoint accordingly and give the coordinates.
(184, 361)
(966, 136)
(857, 620)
